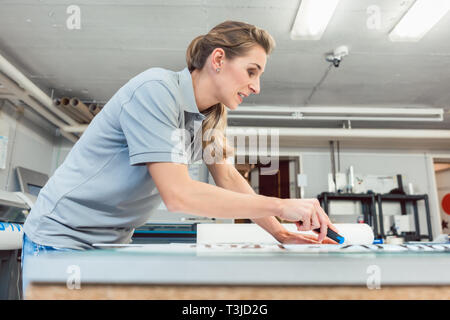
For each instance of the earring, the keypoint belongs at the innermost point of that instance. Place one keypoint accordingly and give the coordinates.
(218, 69)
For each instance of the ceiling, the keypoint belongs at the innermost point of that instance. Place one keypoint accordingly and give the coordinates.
(119, 39)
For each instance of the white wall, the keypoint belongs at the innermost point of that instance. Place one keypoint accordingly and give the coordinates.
(30, 144)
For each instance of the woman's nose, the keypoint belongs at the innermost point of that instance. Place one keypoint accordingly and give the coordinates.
(254, 87)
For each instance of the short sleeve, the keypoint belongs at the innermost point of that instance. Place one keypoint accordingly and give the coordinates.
(149, 121)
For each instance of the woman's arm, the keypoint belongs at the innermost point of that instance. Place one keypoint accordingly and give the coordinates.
(226, 176)
(180, 193)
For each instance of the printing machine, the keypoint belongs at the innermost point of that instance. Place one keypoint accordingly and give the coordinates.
(14, 206)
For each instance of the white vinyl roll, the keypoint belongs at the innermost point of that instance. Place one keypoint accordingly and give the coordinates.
(354, 233)
(11, 235)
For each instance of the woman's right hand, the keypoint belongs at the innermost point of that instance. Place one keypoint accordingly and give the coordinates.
(307, 214)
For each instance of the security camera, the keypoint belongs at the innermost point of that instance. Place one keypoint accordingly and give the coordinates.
(337, 55)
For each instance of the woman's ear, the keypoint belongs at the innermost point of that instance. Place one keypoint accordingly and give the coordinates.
(217, 58)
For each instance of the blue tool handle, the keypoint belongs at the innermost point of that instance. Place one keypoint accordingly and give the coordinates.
(330, 234)
(333, 235)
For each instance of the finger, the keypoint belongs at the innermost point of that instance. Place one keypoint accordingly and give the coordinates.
(308, 239)
(297, 238)
(309, 236)
(322, 222)
(329, 241)
(332, 227)
(305, 224)
(329, 224)
(325, 241)
(320, 226)
(315, 240)
(323, 232)
(315, 224)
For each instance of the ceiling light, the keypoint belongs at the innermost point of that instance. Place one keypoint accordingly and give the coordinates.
(312, 19)
(337, 113)
(419, 19)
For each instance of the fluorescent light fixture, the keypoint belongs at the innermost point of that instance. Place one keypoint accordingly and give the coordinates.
(419, 19)
(312, 19)
(362, 113)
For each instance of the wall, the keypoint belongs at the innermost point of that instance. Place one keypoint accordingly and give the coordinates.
(415, 166)
(30, 144)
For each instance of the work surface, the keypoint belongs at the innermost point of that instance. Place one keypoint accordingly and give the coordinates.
(241, 264)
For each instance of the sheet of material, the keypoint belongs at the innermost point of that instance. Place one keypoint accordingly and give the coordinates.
(205, 249)
(358, 233)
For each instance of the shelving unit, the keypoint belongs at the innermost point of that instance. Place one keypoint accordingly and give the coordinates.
(368, 201)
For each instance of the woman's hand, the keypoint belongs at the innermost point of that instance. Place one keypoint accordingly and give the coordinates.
(287, 237)
(307, 215)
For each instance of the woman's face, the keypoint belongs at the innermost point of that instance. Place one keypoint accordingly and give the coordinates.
(239, 78)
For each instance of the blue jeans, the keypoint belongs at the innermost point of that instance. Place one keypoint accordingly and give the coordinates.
(29, 249)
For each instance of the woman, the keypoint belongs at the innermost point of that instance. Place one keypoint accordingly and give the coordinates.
(128, 158)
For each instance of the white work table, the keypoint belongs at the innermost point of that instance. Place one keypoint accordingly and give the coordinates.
(154, 271)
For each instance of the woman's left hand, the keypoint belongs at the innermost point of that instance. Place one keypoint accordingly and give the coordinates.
(287, 237)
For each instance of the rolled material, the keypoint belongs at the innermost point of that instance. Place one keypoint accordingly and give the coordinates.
(11, 235)
(357, 233)
(63, 104)
(354, 233)
(94, 108)
(81, 108)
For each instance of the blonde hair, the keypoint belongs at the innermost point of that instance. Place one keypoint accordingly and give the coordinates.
(236, 39)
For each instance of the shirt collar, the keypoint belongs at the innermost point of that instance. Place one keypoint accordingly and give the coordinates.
(187, 91)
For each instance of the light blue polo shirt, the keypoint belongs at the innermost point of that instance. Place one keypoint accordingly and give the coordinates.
(103, 190)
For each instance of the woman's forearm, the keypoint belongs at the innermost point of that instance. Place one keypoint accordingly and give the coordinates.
(232, 180)
(180, 193)
(202, 199)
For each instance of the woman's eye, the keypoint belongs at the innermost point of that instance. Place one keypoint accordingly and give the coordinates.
(250, 73)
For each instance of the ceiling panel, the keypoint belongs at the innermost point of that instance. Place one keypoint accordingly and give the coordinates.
(119, 39)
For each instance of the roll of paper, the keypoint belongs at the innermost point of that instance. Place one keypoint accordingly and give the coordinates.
(81, 108)
(10, 236)
(355, 233)
(63, 104)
